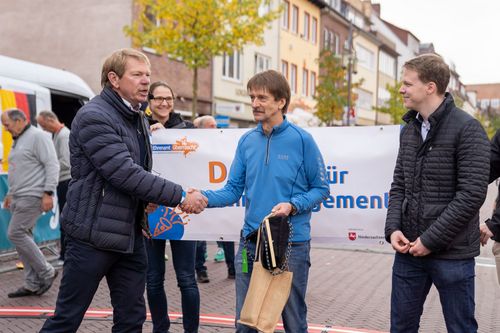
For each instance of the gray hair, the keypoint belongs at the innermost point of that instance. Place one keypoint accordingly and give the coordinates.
(15, 114)
(200, 121)
(47, 114)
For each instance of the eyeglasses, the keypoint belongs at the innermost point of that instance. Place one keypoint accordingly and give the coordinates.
(159, 99)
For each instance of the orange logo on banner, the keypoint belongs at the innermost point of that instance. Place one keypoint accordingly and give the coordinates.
(167, 221)
(184, 146)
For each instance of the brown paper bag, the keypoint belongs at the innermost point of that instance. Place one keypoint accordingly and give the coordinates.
(266, 296)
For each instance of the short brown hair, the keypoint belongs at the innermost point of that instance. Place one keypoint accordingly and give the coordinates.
(274, 83)
(157, 84)
(116, 63)
(431, 67)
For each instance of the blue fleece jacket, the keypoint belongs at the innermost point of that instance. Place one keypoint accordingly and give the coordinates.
(285, 166)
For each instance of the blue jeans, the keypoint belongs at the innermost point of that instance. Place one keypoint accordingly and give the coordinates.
(294, 314)
(412, 277)
(183, 253)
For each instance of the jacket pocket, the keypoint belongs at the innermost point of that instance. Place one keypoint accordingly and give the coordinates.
(433, 211)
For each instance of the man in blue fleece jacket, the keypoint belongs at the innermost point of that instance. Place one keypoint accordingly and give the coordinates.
(280, 169)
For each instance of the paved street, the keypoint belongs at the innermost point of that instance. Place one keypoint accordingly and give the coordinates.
(349, 291)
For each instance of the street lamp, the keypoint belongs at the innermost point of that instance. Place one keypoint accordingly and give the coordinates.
(349, 62)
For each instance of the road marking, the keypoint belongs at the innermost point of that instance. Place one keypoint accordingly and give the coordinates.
(204, 318)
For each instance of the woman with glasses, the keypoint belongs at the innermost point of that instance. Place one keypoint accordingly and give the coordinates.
(161, 103)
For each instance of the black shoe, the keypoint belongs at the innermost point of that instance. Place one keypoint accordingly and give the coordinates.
(231, 275)
(22, 292)
(203, 277)
(47, 284)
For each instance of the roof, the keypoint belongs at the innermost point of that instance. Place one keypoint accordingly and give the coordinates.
(49, 77)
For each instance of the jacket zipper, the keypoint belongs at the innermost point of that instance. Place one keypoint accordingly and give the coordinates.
(268, 147)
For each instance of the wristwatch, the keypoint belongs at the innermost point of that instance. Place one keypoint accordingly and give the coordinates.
(51, 193)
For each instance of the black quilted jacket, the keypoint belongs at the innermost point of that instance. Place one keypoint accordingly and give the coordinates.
(108, 179)
(440, 183)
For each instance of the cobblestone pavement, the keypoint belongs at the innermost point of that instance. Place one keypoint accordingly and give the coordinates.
(348, 289)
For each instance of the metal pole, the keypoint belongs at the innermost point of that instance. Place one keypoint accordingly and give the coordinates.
(349, 73)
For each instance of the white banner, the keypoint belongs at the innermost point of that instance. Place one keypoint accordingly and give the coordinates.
(359, 163)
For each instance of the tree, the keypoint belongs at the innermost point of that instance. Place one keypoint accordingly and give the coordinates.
(195, 31)
(331, 92)
(394, 105)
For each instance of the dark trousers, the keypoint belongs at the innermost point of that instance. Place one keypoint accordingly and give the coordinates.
(62, 189)
(183, 253)
(84, 267)
(412, 277)
(228, 248)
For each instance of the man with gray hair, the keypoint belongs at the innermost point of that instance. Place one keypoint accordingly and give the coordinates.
(33, 172)
(60, 136)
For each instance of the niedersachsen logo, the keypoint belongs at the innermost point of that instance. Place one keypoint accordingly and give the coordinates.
(180, 146)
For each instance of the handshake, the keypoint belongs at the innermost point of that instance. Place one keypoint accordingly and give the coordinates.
(194, 202)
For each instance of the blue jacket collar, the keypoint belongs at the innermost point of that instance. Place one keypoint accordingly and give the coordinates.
(276, 129)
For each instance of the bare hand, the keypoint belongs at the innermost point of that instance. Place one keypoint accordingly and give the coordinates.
(151, 207)
(399, 242)
(7, 201)
(195, 202)
(156, 126)
(47, 202)
(485, 234)
(417, 249)
(282, 209)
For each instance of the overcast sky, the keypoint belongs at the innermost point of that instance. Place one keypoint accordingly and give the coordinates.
(463, 32)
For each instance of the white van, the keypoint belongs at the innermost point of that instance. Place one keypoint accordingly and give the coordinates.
(33, 88)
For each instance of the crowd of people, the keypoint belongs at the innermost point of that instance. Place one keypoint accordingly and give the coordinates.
(101, 172)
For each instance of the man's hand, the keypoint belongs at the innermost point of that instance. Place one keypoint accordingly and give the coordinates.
(399, 242)
(417, 249)
(6, 202)
(485, 234)
(47, 202)
(282, 209)
(195, 202)
(151, 207)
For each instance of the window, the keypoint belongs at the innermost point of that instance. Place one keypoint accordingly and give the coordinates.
(295, 19)
(383, 96)
(495, 103)
(331, 41)
(387, 64)
(305, 82)
(366, 58)
(231, 65)
(293, 78)
(262, 63)
(305, 32)
(485, 103)
(313, 83)
(364, 100)
(314, 30)
(284, 69)
(286, 14)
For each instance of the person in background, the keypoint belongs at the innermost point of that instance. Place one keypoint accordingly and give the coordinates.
(49, 122)
(225, 250)
(491, 227)
(440, 182)
(33, 174)
(161, 103)
(104, 217)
